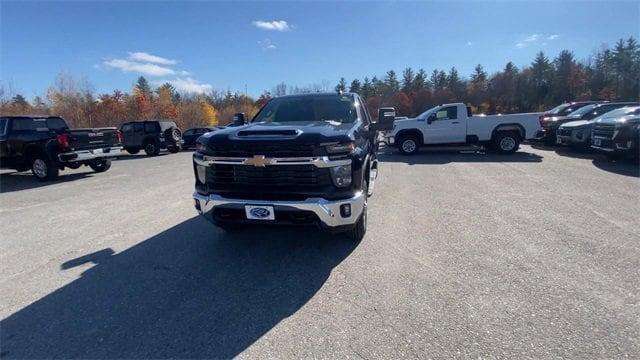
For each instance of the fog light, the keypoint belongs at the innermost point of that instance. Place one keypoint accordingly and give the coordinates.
(345, 210)
(201, 171)
(341, 175)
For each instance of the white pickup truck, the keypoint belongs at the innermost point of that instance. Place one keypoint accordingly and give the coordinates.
(453, 124)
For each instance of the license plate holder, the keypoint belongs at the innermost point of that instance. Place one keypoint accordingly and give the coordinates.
(259, 212)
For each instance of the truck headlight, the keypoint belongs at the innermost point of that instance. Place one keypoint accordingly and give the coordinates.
(201, 172)
(201, 147)
(341, 175)
(340, 148)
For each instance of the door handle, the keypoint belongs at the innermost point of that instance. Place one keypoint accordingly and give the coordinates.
(456, 122)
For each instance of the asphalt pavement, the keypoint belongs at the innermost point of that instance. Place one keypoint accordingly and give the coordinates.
(469, 255)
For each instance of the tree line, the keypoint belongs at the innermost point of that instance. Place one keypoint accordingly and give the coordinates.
(609, 74)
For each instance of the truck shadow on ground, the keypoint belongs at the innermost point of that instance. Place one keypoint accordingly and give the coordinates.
(626, 167)
(188, 292)
(439, 157)
(18, 181)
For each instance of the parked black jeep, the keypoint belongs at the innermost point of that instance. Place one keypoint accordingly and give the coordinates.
(46, 145)
(151, 136)
(303, 160)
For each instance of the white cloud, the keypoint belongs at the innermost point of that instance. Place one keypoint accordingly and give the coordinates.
(187, 85)
(275, 25)
(469, 43)
(148, 58)
(534, 39)
(266, 44)
(143, 68)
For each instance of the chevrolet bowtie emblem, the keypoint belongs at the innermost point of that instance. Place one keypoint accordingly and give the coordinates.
(258, 161)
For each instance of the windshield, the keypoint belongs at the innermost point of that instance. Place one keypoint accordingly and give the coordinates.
(583, 110)
(619, 112)
(424, 114)
(338, 108)
(558, 108)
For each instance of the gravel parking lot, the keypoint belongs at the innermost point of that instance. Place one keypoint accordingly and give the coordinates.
(535, 255)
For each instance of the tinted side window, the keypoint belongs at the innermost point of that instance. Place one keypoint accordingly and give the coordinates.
(3, 126)
(150, 127)
(23, 124)
(127, 128)
(189, 132)
(363, 110)
(138, 126)
(56, 124)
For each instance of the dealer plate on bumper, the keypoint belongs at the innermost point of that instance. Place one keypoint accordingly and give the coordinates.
(259, 212)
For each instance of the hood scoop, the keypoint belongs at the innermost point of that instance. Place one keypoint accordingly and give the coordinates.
(269, 133)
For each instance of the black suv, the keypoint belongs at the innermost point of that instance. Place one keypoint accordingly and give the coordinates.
(303, 160)
(191, 135)
(151, 136)
(46, 145)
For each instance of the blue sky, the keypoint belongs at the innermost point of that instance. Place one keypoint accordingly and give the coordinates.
(222, 45)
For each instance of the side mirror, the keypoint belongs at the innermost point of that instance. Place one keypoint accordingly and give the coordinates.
(238, 119)
(431, 118)
(386, 115)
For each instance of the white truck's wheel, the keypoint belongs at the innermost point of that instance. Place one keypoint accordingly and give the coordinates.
(408, 145)
(506, 142)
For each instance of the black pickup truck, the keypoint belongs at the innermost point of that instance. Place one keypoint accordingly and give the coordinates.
(46, 145)
(303, 160)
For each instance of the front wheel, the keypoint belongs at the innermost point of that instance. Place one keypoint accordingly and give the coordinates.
(100, 166)
(506, 142)
(43, 168)
(408, 145)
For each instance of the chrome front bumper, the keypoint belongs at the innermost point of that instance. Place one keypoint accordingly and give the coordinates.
(328, 211)
(84, 155)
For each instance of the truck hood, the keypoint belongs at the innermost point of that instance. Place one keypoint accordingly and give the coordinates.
(577, 124)
(284, 133)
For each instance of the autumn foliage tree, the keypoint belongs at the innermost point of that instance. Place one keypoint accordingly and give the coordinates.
(609, 74)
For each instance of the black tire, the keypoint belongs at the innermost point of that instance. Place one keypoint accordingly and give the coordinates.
(174, 148)
(506, 142)
(100, 166)
(408, 145)
(43, 168)
(151, 148)
(132, 151)
(360, 229)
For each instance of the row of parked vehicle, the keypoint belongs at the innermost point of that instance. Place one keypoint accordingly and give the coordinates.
(612, 128)
(46, 145)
